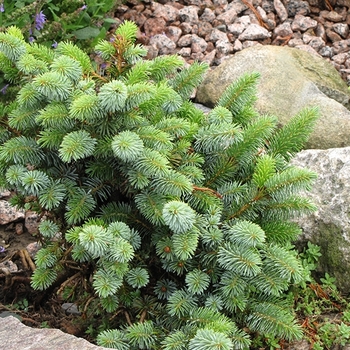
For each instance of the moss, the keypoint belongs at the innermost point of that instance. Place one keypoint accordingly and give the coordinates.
(324, 75)
(333, 260)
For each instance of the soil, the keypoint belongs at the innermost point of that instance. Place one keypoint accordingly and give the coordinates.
(13, 242)
(17, 298)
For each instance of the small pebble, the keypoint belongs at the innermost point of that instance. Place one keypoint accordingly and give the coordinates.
(33, 248)
(71, 308)
(9, 265)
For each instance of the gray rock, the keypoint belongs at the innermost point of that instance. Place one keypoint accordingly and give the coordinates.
(228, 17)
(71, 309)
(327, 51)
(189, 14)
(329, 226)
(174, 33)
(209, 57)
(165, 45)
(9, 313)
(220, 2)
(303, 23)
(236, 28)
(237, 45)
(208, 15)
(254, 32)
(9, 214)
(316, 43)
(191, 2)
(14, 335)
(312, 22)
(8, 266)
(31, 222)
(281, 10)
(185, 40)
(203, 108)
(19, 228)
(237, 5)
(308, 49)
(340, 58)
(290, 80)
(224, 47)
(4, 194)
(199, 43)
(344, 3)
(185, 52)
(33, 248)
(284, 29)
(342, 29)
(168, 12)
(216, 35)
(341, 46)
(295, 7)
(262, 14)
(333, 16)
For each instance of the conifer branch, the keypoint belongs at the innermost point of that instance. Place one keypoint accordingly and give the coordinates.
(260, 195)
(207, 189)
(146, 194)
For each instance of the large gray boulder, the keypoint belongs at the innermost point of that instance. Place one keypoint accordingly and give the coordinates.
(291, 79)
(329, 226)
(14, 335)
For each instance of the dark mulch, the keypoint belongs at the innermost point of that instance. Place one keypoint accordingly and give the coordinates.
(17, 297)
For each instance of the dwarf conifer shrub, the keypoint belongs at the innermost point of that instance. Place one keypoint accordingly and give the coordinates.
(177, 223)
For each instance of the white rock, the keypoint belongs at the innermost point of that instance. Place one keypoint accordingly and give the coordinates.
(164, 45)
(254, 32)
(9, 214)
(329, 226)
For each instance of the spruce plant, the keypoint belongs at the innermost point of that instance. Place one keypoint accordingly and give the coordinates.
(176, 223)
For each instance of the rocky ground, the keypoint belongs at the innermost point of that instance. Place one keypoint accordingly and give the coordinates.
(213, 30)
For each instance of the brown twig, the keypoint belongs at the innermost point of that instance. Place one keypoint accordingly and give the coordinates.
(28, 259)
(246, 206)
(7, 273)
(207, 189)
(329, 5)
(20, 279)
(99, 77)
(88, 303)
(9, 257)
(116, 314)
(29, 320)
(286, 39)
(143, 316)
(282, 40)
(256, 13)
(70, 279)
(23, 259)
(128, 320)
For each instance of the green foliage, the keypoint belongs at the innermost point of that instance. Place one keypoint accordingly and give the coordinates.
(320, 306)
(177, 221)
(79, 20)
(48, 22)
(113, 339)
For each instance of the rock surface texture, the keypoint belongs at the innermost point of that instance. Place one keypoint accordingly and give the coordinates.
(329, 226)
(214, 30)
(257, 35)
(14, 335)
(291, 79)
